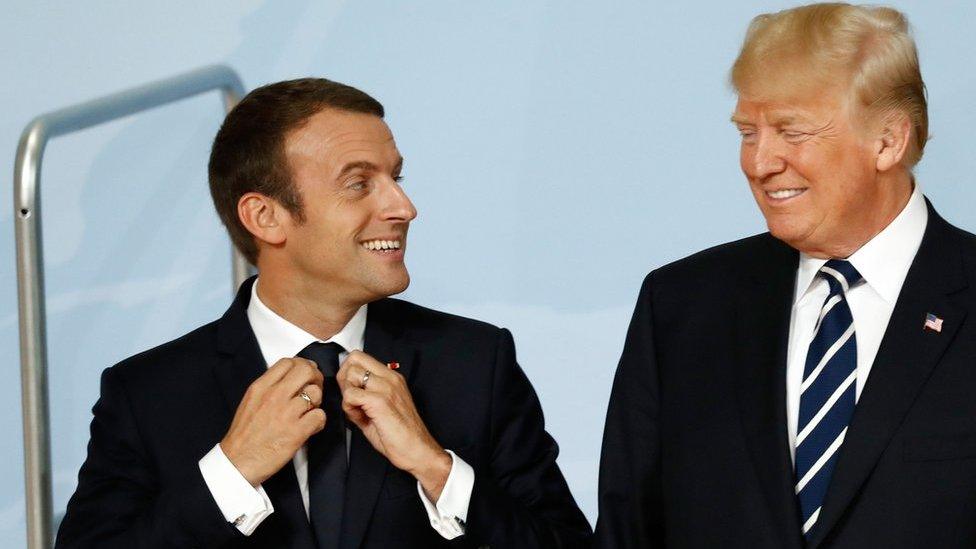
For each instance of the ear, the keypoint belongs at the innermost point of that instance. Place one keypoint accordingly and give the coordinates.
(261, 216)
(893, 142)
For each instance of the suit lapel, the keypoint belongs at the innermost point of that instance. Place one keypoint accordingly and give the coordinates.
(762, 324)
(241, 363)
(904, 363)
(240, 357)
(367, 467)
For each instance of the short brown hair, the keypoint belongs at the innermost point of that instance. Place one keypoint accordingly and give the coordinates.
(867, 49)
(248, 154)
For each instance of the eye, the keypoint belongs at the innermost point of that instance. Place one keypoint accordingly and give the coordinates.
(358, 185)
(398, 179)
(794, 136)
(748, 136)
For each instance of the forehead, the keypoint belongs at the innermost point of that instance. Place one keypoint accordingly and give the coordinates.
(789, 109)
(338, 137)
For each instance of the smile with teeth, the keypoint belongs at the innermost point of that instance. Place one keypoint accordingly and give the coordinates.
(381, 245)
(784, 193)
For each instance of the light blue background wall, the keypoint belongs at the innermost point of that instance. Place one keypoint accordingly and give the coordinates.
(557, 151)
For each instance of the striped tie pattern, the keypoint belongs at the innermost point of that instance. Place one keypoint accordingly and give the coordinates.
(827, 393)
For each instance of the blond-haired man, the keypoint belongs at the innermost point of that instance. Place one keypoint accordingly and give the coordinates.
(811, 386)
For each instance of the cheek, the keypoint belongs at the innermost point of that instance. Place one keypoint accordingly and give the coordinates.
(835, 179)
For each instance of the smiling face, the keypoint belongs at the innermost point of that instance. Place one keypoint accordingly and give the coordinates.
(351, 242)
(813, 169)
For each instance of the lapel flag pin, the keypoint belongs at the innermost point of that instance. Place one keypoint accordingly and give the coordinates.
(933, 323)
(396, 365)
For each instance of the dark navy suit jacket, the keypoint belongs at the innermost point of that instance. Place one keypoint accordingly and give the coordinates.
(162, 410)
(695, 450)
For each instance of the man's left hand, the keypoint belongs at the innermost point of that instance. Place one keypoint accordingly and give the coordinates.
(384, 411)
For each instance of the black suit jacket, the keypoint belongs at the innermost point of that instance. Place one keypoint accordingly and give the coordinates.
(162, 410)
(695, 450)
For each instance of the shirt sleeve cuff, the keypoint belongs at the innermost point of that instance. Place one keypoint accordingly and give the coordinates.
(450, 514)
(242, 505)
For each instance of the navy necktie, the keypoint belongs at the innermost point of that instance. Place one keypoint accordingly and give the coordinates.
(827, 394)
(327, 452)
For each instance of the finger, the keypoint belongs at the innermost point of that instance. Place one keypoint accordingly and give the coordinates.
(300, 365)
(350, 375)
(370, 403)
(298, 407)
(341, 374)
(357, 417)
(378, 385)
(275, 372)
(305, 361)
(313, 421)
(355, 414)
(300, 375)
(314, 392)
(356, 378)
(367, 362)
(347, 366)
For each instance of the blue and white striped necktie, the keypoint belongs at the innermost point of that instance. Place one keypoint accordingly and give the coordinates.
(827, 394)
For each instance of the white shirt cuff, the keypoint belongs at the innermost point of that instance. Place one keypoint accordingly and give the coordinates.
(242, 505)
(450, 514)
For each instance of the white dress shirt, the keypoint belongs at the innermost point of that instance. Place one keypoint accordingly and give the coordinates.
(246, 507)
(884, 263)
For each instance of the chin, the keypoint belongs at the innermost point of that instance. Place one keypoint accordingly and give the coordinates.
(391, 286)
(789, 232)
(399, 288)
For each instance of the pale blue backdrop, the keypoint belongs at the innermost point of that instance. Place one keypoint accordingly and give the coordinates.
(557, 151)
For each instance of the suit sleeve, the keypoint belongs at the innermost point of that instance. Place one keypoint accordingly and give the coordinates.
(630, 463)
(523, 501)
(121, 503)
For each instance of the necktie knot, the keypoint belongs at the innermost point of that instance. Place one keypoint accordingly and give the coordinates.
(840, 275)
(324, 355)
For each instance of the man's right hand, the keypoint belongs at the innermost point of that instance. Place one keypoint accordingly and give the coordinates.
(273, 421)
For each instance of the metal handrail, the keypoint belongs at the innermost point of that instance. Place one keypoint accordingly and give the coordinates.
(30, 265)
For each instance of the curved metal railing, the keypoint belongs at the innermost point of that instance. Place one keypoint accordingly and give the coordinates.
(30, 264)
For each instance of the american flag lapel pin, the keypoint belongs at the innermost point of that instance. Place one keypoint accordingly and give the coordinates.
(932, 322)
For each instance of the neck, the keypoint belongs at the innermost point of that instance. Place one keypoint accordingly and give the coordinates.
(316, 312)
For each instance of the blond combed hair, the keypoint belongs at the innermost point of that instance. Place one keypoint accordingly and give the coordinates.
(867, 50)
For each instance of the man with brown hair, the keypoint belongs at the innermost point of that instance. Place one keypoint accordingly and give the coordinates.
(317, 412)
(811, 386)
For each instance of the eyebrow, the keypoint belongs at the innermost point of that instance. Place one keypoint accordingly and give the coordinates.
(786, 119)
(353, 166)
(367, 167)
(738, 119)
(774, 119)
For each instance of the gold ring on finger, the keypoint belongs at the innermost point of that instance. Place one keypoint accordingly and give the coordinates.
(307, 399)
(362, 385)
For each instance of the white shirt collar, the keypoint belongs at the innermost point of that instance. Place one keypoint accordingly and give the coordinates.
(885, 259)
(279, 338)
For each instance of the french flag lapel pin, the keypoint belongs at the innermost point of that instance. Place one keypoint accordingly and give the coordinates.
(933, 323)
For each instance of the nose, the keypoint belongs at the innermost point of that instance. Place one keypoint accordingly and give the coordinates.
(766, 157)
(397, 206)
